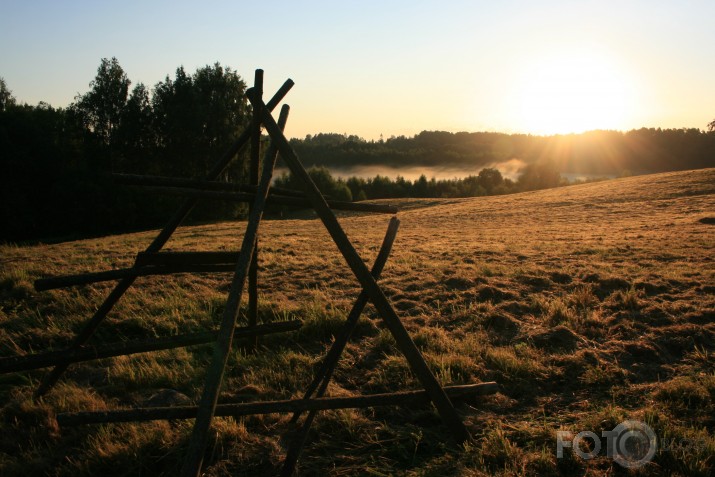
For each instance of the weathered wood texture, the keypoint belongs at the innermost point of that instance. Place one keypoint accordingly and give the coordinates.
(53, 283)
(88, 353)
(405, 398)
(253, 179)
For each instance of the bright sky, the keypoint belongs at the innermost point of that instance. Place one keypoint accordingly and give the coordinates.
(393, 67)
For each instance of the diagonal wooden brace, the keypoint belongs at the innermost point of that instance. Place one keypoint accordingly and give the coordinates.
(327, 367)
(222, 346)
(404, 342)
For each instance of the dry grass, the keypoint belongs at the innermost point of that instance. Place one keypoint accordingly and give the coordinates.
(589, 304)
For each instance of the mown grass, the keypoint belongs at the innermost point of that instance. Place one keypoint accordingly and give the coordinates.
(589, 305)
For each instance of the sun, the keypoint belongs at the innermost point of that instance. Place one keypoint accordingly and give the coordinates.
(571, 92)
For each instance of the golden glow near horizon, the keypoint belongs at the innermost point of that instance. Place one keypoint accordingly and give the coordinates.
(553, 66)
(572, 91)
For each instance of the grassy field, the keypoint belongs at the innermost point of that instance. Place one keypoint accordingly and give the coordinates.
(588, 304)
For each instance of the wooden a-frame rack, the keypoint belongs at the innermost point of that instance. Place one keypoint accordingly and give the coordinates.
(244, 264)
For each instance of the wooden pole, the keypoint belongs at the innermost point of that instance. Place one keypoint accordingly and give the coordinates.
(222, 346)
(156, 245)
(405, 398)
(378, 298)
(88, 353)
(253, 173)
(325, 372)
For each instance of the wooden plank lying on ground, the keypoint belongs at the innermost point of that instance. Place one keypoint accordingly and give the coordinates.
(88, 353)
(405, 398)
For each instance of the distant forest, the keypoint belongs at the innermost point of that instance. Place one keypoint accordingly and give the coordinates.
(599, 153)
(56, 162)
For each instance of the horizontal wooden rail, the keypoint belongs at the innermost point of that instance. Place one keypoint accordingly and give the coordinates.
(275, 199)
(163, 181)
(87, 353)
(51, 283)
(406, 398)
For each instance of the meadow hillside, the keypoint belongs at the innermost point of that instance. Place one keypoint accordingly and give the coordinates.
(588, 304)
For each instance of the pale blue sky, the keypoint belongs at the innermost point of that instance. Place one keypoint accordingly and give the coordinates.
(393, 67)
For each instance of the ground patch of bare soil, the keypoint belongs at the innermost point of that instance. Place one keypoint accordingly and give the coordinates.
(589, 305)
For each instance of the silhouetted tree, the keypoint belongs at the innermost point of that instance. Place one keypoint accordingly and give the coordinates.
(421, 187)
(101, 108)
(197, 117)
(541, 175)
(490, 178)
(6, 97)
(136, 140)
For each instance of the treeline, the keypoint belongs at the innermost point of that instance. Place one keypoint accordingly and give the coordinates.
(55, 162)
(489, 181)
(595, 153)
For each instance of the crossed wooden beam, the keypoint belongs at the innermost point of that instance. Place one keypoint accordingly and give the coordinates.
(258, 193)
